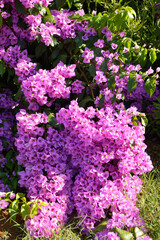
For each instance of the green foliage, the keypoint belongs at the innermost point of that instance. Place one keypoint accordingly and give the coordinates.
(20, 206)
(132, 83)
(2, 68)
(124, 235)
(1, 21)
(20, 7)
(150, 85)
(101, 226)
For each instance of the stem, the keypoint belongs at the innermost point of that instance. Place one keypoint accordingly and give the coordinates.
(96, 5)
(82, 72)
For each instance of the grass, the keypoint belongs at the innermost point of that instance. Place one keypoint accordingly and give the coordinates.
(66, 233)
(149, 203)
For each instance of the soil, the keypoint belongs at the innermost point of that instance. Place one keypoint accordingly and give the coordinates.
(153, 149)
(8, 230)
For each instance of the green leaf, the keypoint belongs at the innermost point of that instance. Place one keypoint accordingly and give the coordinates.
(10, 165)
(80, 18)
(150, 85)
(19, 195)
(52, 121)
(152, 55)
(121, 75)
(49, 18)
(101, 226)
(48, 11)
(23, 199)
(101, 101)
(111, 82)
(69, 2)
(144, 121)
(54, 42)
(18, 95)
(135, 120)
(138, 233)
(51, 116)
(20, 7)
(1, 21)
(63, 57)
(43, 11)
(60, 3)
(14, 182)
(104, 66)
(2, 68)
(15, 205)
(75, 16)
(158, 23)
(42, 204)
(79, 41)
(54, 54)
(22, 24)
(8, 194)
(40, 49)
(132, 83)
(2, 174)
(84, 101)
(25, 210)
(5, 143)
(10, 73)
(34, 210)
(143, 56)
(127, 42)
(9, 155)
(124, 235)
(14, 209)
(92, 70)
(34, 11)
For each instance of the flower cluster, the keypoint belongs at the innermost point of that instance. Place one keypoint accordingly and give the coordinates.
(46, 86)
(30, 4)
(12, 55)
(99, 155)
(47, 176)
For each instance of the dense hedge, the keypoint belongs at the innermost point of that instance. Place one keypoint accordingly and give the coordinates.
(75, 88)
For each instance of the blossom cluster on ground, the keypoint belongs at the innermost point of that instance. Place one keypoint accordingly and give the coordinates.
(75, 157)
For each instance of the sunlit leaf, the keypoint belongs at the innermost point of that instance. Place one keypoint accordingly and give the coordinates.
(150, 85)
(152, 55)
(144, 121)
(25, 210)
(124, 235)
(132, 83)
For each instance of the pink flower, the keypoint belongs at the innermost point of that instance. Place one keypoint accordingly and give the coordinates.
(114, 46)
(12, 195)
(125, 50)
(88, 55)
(149, 71)
(3, 204)
(122, 34)
(99, 43)
(77, 87)
(158, 69)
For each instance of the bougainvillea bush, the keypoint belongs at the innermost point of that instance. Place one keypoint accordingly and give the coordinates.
(72, 117)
